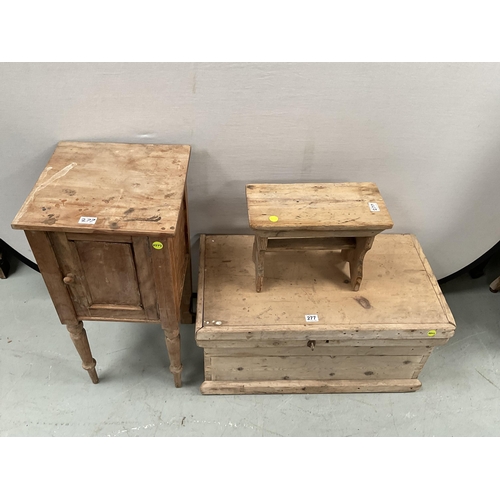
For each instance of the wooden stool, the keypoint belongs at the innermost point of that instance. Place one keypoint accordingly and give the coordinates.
(108, 227)
(344, 216)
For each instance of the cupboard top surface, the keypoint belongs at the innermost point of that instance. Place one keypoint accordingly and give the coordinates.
(129, 188)
(398, 299)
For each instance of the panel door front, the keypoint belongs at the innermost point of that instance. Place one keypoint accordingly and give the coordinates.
(108, 277)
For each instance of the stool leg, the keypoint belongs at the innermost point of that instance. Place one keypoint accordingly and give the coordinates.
(79, 337)
(355, 258)
(495, 285)
(258, 256)
(173, 342)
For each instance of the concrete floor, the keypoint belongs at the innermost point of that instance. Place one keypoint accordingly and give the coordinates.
(45, 392)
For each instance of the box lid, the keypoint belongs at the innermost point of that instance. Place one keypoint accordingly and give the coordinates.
(128, 188)
(399, 297)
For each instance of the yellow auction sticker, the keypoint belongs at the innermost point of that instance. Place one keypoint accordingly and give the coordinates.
(431, 333)
(273, 218)
(158, 245)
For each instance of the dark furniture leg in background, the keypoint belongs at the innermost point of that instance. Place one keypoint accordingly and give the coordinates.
(476, 268)
(4, 261)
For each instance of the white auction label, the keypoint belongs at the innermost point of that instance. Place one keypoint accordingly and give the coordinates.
(311, 318)
(87, 220)
(373, 207)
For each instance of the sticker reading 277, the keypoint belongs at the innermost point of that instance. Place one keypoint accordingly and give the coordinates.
(311, 318)
(87, 220)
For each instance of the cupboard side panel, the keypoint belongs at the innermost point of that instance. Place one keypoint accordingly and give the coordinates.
(52, 275)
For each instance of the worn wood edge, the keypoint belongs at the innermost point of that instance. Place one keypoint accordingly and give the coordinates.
(167, 233)
(285, 343)
(305, 233)
(380, 331)
(333, 351)
(112, 307)
(246, 199)
(309, 386)
(334, 231)
(68, 143)
(201, 287)
(118, 320)
(434, 283)
(272, 184)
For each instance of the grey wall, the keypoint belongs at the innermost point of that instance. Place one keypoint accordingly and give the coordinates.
(428, 134)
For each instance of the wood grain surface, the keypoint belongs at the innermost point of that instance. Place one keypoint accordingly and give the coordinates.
(318, 207)
(132, 189)
(400, 298)
(309, 386)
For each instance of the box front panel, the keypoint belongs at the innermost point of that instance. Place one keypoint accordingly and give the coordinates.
(313, 367)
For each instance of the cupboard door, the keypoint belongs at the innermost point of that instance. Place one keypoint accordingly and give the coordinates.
(108, 277)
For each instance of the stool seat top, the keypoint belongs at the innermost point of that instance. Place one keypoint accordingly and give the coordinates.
(348, 206)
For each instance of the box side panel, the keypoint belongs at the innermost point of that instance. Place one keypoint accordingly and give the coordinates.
(434, 283)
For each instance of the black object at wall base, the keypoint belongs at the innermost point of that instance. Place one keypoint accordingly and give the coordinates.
(7, 251)
(476, 268)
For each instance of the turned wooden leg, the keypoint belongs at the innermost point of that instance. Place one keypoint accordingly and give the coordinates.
(355, 258)
(186, 316)
(79, 337)
(173, 341)
(258, 256)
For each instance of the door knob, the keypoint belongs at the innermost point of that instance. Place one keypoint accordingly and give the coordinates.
(311, 344)
(69, 279)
